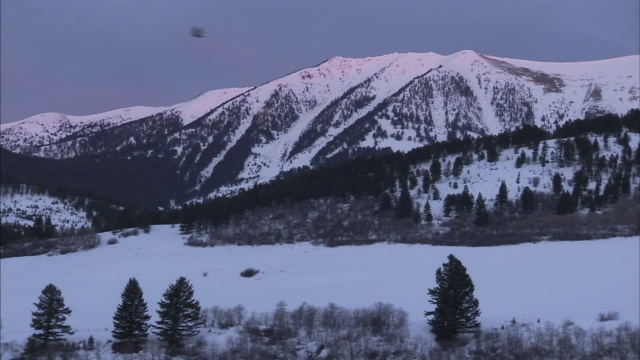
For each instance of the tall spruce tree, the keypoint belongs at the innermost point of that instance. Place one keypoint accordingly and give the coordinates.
(566, 204)
(502, 199)
(482, 215)
(557, 184)
(528, 201)
(49, 319)
(131, 320)
(456, 308)
(404, 207)
(179, 314)
(428, 216)
(436, 170)
(426, 181)
(458, 165)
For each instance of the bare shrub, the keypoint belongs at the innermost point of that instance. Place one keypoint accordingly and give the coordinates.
(129, 232)
(535, 181)
(196, 241)
(112, 241)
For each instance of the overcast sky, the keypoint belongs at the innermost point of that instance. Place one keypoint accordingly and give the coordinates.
(85, 57)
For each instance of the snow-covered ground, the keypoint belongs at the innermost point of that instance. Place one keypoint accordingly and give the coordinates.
(548, 281)
(23, 206)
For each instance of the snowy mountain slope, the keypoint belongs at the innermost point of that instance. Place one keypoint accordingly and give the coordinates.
(485, 177)
(50, 128)
(235, 138)
(22, 206)
(526, 282)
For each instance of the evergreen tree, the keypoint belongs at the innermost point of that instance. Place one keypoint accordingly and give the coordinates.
(527, 200)
(50, 316)
(465, 202)
(456, 308)
(436, 170)
(179, 314)
(426, 181)
(534, 149)
(543, 154)
(37, 229)
(625, 183)
(428, 216)
(404, 208)
(436, 193)
(493, 154)
(557, 184)
(448, 204)
(457, 167)
(482, 215)
(566, 204)
(49, 230)
(131, 320)
(521, 160)
(416, 216)
(502, 199)
(385, 201)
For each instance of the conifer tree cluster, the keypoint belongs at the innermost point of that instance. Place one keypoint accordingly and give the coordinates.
(180, 318)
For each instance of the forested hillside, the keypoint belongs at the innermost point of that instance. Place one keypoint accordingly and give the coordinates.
(579, 182)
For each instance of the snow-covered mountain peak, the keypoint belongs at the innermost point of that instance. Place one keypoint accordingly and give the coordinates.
(234, 138)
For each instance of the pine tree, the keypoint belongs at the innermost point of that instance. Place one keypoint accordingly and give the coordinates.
(493, 153)
(385, 201)
(436, 170)
(426, 181)
(457, 167)
(456, 308)
(436, 193)
(502, 199)
(482, 215)
(521, 160)
(428, 216)
(37, 229)
(50, 316)
(131, 320)
(466, 201)
(534, 154)
(404, 208)
(557, 184)
(48, 230)
(566, 204)
(527, 200)
(179, 314)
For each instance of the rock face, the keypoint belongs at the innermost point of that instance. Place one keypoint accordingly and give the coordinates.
(230, 139)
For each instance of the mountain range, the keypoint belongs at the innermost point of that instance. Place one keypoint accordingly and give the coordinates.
(231, 139)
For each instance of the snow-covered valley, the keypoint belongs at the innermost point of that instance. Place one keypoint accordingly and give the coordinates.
(549, 281)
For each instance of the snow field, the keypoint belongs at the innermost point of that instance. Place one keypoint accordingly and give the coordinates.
(546, 281)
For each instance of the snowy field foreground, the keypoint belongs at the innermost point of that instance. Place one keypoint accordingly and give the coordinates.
(546, 281)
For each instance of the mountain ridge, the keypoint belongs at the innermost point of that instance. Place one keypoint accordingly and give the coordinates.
(230, 139)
